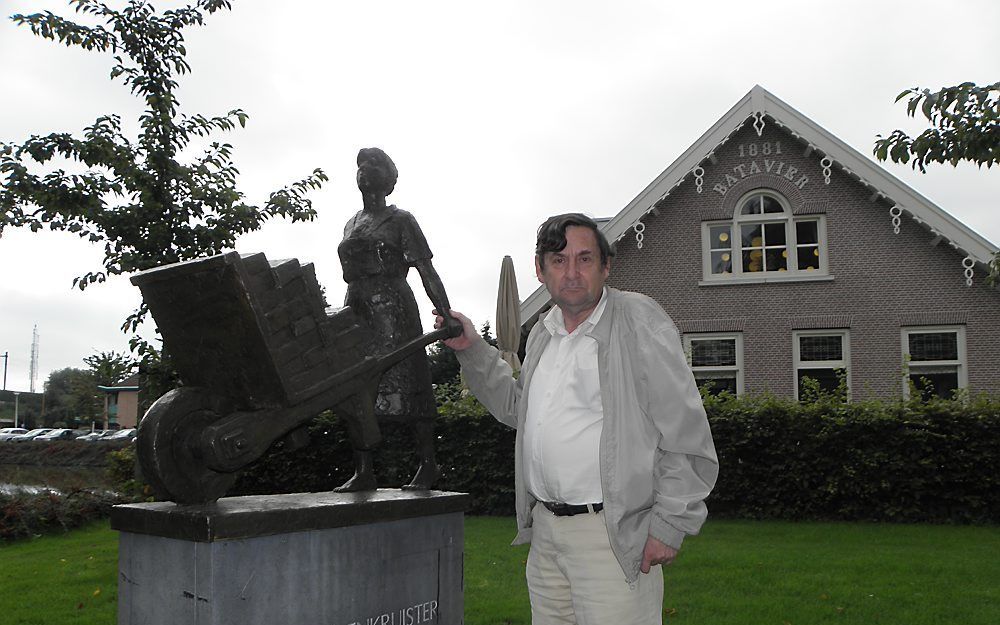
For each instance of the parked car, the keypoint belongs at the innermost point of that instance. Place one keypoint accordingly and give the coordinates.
(28, 436)
(96, 435)
(122, 435)
(9, 433)
(56, 435)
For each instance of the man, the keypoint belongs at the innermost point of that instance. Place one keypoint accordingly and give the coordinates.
(614, 456)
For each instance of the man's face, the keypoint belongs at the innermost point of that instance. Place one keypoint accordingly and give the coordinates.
(574, 275)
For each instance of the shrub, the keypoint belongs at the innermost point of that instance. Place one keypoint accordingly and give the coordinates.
(937, 461)
(24, 515)
(122, 470)
(824, 459)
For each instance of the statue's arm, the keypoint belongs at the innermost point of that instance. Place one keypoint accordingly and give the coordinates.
(436, 293)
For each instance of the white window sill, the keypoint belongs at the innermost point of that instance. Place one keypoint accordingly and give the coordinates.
(766, 279)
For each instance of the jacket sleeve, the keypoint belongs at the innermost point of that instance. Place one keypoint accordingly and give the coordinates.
(686, 466)
(491, 380)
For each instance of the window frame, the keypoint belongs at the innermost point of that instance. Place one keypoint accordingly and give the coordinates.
(962, 362)
(715, 336)
(790, 220)
(844, 363)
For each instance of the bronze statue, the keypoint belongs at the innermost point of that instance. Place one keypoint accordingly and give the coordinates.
(260, 356)
(380, 245)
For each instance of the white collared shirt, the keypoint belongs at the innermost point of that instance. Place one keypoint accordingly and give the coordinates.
(562, 434)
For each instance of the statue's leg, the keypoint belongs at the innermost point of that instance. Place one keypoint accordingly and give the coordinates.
(364, 474)
(428, 473)
(363, 432)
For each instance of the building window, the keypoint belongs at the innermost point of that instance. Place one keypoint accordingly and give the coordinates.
(935, 361)
(716, 361)
(764, 240)
(822, 362)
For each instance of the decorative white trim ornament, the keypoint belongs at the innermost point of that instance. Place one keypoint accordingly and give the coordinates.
(758, 123)
(969, 263)
(699, 176)
(639, 228)
(826, 163)
(895, 212)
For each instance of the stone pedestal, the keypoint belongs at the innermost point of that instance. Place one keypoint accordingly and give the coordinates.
(387, 557)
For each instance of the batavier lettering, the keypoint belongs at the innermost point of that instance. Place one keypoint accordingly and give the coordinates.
(414, 615)
(778, 168)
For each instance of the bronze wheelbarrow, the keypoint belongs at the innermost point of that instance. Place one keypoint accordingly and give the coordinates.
(259, 356)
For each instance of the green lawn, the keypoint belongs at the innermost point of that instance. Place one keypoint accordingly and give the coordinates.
(736, 572)
(66, 578)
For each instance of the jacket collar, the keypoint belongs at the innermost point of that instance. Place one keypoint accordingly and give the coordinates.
(602, 331)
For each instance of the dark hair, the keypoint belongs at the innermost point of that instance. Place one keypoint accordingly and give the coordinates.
(383, 161)
(552, 236)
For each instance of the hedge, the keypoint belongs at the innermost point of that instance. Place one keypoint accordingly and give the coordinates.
(935, 462)
(24, 515)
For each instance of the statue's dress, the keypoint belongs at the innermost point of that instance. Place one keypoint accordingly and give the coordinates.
(376, 254)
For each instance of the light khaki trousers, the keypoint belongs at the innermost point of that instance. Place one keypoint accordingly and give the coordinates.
(574, 577)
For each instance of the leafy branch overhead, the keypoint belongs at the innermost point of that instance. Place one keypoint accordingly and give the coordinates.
(136, 196)
(964, 126)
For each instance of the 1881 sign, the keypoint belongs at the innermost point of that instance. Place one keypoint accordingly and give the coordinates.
(763, 160)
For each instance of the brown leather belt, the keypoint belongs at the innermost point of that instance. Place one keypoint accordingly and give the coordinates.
(565, 509)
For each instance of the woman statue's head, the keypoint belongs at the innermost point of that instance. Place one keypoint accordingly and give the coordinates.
(376, 171)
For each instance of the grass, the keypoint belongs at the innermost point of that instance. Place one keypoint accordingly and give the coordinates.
(740, 572)
(64, 578)
(736, 572)
(495, 591)
(771, 573)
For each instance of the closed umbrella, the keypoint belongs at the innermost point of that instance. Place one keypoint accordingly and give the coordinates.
(508, 315)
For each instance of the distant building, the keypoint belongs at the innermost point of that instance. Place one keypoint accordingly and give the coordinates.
(121, 404)
(28, 406)
(784, 254)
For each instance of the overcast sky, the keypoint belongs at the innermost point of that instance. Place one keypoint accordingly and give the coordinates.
(497, 115)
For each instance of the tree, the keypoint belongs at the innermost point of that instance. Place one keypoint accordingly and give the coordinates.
(110, 368)
(135, 196)
(444, 365)
(71, 398)
(156, 375)
(965, 126)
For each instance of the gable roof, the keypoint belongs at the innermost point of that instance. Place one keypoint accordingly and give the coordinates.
(761, 107)
(131, 383)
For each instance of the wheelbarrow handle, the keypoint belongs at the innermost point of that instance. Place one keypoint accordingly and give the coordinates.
(409, 348)
(243, 436)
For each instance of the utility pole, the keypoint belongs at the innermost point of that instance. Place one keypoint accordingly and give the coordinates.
(5, 356)
(15, 407)
(33, 374)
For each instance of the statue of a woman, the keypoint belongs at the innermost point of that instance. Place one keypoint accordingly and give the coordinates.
(380, 245)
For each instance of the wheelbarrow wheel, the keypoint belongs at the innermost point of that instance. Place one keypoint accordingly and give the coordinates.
(167, 444)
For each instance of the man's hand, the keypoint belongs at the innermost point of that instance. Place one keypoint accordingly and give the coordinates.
(656, 552)
(460, 341)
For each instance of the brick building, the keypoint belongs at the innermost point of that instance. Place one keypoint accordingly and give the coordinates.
(782, 253)
(121, 404)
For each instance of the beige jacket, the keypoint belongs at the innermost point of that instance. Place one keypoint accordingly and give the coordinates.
(658, 461)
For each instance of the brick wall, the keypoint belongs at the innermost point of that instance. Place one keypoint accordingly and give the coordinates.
(880, 281)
